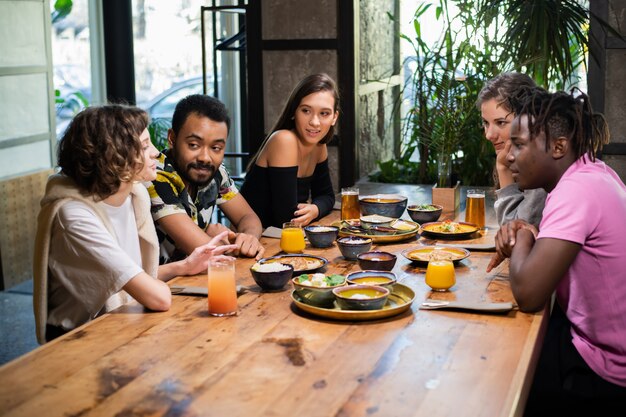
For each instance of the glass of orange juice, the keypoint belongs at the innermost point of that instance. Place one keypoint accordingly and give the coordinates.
(292, 238)
(222, 287)
(440, 275)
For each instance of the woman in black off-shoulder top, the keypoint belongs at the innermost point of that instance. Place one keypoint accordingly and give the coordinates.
(288, 178)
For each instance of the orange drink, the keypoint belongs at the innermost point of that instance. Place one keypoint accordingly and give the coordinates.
(292, 238)
(440, 275)
(350, 208)
(222, 288)
(475, 207)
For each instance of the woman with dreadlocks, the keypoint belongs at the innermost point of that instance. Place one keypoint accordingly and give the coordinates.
(578, 253)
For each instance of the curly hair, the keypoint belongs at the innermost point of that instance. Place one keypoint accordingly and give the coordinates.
(563, 114)
(101, 149)
(503, 86)
(313, 83)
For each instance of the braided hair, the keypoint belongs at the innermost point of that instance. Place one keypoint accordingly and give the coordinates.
(563, 114)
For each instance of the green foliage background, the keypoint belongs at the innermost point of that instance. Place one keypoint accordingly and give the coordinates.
(546, 39)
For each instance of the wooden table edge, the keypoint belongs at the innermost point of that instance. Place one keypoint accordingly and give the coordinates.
(525, 371)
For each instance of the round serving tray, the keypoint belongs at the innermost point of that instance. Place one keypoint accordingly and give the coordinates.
(399, 301)
(399, 236)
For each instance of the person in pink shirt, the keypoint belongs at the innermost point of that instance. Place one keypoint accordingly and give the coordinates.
(577, 253)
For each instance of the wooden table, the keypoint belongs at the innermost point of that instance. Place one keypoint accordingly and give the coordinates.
(273, 360)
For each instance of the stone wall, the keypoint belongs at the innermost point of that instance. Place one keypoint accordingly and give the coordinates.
(379, 60)
(615, 88)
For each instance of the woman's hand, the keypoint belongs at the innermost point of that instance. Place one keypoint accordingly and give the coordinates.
(305, 214)
(505, 176)
(198, 260)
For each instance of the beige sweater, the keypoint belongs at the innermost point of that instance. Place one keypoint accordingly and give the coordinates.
(59, 190)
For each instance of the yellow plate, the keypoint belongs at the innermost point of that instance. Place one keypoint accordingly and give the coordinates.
(421, 254)
(399, 301)
(399, 236)
(435, 229)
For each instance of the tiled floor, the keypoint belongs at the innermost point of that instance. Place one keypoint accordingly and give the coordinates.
(17, 323)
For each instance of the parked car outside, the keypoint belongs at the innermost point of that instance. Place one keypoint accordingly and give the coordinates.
(163, 104)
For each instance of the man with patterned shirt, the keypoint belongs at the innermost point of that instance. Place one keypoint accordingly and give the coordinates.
(191, 181)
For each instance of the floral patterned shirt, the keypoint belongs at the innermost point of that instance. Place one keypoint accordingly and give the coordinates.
(168, 195)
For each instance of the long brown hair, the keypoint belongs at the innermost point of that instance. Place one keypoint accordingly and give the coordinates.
(101, 148)
(501, 88)
(313, 83)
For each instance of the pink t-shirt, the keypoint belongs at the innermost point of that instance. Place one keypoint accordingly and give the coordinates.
(588, 206)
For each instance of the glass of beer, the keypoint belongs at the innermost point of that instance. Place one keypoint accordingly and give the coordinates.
(475, 207)
(440, 275)
(350, 203)
(292, 238)
(222, 287)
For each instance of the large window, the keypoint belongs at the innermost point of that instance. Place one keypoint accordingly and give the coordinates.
(71, 60)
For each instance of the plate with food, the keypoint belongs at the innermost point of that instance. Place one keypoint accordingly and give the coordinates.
(449, 229)
(302, 263)
(399, 301)
(423, 254)
(398, 230)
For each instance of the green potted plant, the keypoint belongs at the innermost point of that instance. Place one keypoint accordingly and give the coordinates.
(547, 39)
(443, 112)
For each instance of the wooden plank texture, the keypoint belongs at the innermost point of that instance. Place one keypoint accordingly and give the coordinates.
(274, 360)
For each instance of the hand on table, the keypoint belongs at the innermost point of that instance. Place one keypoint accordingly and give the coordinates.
(198, 260)
(505, 240)
(241, 244)
(246, 245)
(305, 214)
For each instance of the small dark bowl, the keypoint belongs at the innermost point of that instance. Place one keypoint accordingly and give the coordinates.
(377, 261)
(351, 250)
(390, 205)
(424, 216)
(272, 281)
(321, 239)
(377, 278)
(376, 297)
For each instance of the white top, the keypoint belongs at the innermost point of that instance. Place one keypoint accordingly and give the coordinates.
(89, 267)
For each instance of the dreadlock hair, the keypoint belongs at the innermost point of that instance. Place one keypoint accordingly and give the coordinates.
(563, 114)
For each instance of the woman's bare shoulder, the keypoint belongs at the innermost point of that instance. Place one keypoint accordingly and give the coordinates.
(282, 149)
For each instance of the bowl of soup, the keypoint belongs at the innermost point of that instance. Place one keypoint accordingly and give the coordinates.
(388, 205)
(377, 278)
(376, 261)
(361, 297)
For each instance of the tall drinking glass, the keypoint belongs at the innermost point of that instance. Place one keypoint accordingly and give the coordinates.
(222, 287)
(475, 207)
(350, 208)
(292, 238)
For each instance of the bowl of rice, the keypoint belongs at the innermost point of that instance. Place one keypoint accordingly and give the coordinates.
(351, 247)
(321, 236)
(271, 276)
